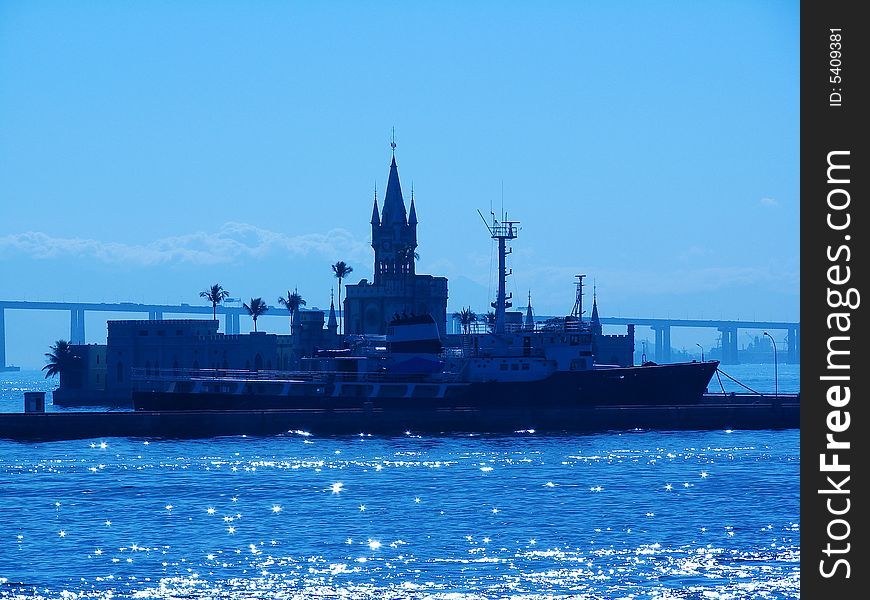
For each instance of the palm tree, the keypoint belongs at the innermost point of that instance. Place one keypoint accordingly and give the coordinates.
(465, 317)
(256, 308)
(60, 361)
(215, 294)
(292, 302)
(341, 270)
(489, 319)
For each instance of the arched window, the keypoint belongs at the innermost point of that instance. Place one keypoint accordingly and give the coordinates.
(147, 368)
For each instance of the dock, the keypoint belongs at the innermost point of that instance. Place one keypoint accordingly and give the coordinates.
(715, 411)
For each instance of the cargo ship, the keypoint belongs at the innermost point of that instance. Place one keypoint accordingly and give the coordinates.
(506, 368)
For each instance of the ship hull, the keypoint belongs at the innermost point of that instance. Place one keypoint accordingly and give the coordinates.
(654, 385)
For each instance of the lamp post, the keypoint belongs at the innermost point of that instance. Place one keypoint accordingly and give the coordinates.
(702, 351)
(775, 368)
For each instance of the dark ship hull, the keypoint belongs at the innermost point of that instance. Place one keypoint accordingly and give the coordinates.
(644, 386)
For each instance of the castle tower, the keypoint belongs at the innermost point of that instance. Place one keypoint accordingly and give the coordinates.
(596, 321)
(332, 323)
(396, 287)
(394, 234)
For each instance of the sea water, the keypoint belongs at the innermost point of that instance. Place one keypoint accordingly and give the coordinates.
(641, 515)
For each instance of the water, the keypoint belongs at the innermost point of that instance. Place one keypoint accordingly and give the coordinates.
(637, 515)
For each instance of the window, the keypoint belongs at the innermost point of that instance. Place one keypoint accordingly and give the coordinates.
(120, 372)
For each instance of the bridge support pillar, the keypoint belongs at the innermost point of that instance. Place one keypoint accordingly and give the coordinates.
(2, 338)
(77, 326)
(729, 345)
(666, 356)
(794, 345)
(663, 343)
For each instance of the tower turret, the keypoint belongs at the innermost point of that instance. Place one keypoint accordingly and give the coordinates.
(529, 324)
(376, 218)
(332, 323)
(596, 322)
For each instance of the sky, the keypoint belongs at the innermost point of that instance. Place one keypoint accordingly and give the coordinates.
(150, 149)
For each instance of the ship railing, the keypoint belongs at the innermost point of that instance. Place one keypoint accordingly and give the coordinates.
(142, 375)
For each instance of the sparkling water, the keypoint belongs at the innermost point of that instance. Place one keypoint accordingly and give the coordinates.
(636, 515)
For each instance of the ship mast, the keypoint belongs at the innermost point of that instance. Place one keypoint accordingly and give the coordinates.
(502, 231)
(577, 311)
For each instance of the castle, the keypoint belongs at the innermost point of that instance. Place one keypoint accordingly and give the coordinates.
(396, 289)
(145, 347)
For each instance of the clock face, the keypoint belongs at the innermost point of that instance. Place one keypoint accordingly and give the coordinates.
(387, 245)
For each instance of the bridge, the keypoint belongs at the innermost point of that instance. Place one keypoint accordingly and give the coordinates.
(231, 314)
(728, 329)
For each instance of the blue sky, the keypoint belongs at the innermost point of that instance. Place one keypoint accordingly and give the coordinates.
(149, 149)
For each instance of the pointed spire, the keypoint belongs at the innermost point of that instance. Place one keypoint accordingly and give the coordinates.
(596, 321)
(412, 216)
(376, 219)
(394, 203)
(530, 319)
(332, 323)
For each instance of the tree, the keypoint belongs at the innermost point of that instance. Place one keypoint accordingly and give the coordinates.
(60, 361)
(256, 308)
(465, 317)
(341, 270)
(215, 294)
(489, 319)
(292, 303)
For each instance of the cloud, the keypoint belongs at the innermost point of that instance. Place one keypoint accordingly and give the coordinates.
(232, 243)
(771, 202)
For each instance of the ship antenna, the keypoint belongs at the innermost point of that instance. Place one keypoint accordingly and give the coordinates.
(502, 231)
(577, 311)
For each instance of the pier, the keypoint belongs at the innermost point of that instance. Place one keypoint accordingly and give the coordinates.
(715, 411)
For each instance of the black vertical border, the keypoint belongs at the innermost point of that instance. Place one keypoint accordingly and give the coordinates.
(826, 128)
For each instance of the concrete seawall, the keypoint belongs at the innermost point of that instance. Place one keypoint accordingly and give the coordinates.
(723, 413)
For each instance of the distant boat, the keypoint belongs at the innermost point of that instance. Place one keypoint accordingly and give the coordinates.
(10, 369)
